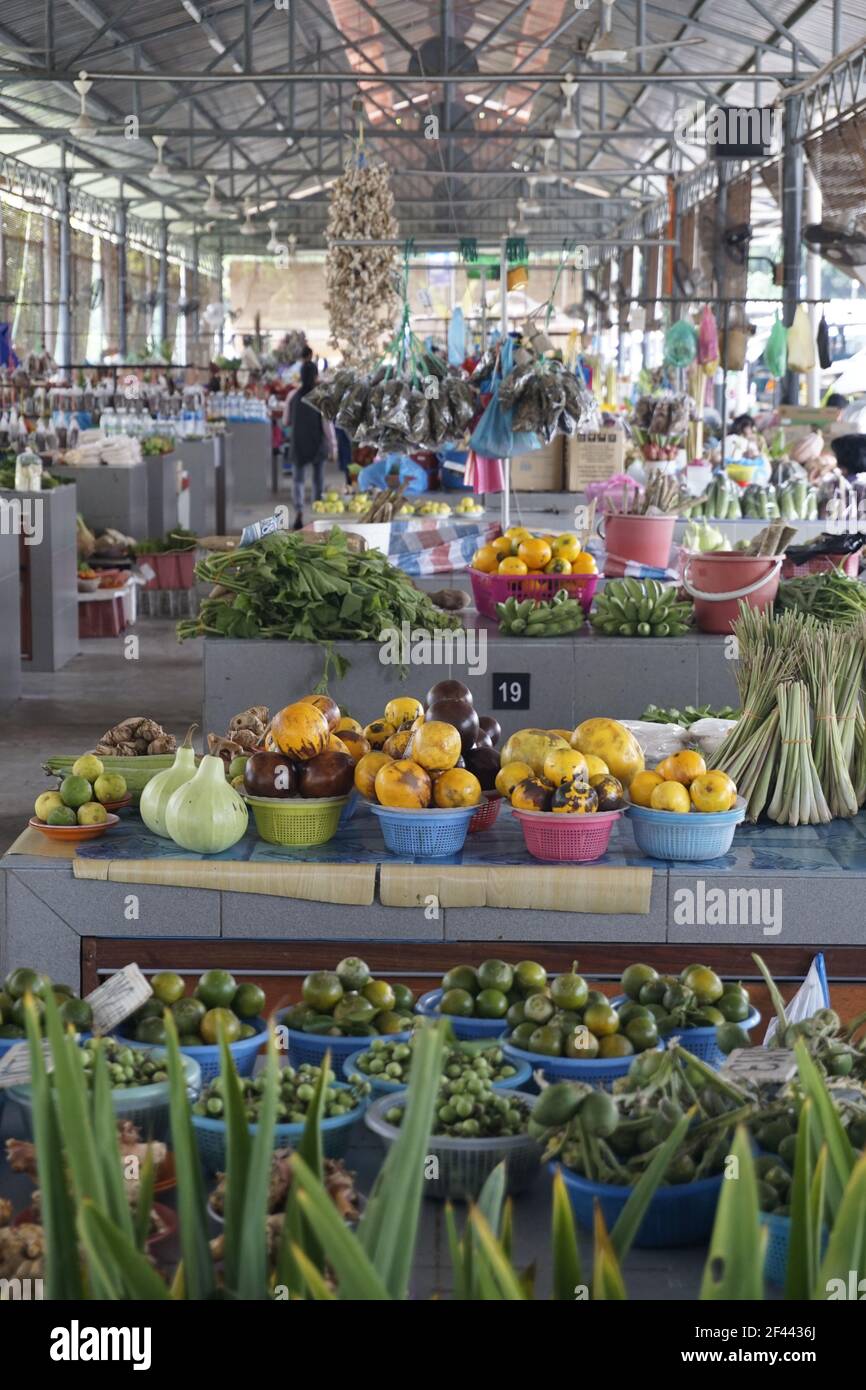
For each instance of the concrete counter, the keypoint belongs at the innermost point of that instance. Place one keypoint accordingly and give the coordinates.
(10, 616)
(49, 568)
(198, 458)
(111, 496)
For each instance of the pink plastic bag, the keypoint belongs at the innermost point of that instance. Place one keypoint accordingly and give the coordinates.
(708, 339)
(484, 474)
(614, 485)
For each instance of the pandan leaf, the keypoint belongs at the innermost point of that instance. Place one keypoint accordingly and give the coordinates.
(312, 1277)
(494, 1270)
(607, 1280)
(567, 1272)
(144, 1206)
(735, 1264)
(776, 998)
(843, 1270)
(357, 1277)
(829, 1126)
(238, 1146)
(113, 1255)
(802, 1262)
(198, 1269)
(253, 1267)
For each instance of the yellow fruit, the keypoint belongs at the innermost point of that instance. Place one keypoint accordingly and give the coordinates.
(346, 725)
(712, 791)
(355, 744)
(532, 795)
(642, 787)
(595, 765)
(512, 565)
(402, 710)
(574, 799)
(564, 765)
(300, 730)
(396, 745)
(534, 552)
(507, 777)
(326, 706)
(683, 767)
(92, 813)
(49, 801)
(670, 796)
(502, 546)
(566, 546)
(558, 565)
(365, 773)
(613, 743)
(336, 745)
(88, 766)
(403, 784)
(561, 733)
(517, 533)
(436, 745)
(379, 732)
(456, 787)
(584, 564)
(485, 559)
(530, 746)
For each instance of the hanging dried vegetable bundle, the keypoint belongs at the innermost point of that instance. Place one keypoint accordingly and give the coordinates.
(547, 399)
(361, 280)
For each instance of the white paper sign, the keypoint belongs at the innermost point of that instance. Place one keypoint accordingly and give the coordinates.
(120, 995)
(15, 1066)
(147, 573)
(760, 1066)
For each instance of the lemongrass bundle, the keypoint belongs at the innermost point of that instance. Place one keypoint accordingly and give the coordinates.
(798, 798)
(824, 657)
(767, 656)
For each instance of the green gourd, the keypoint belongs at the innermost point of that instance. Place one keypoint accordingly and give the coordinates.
(206, 815)
(156, 795)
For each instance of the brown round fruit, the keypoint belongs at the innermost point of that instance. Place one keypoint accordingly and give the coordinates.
(436, 746)
(329, 774)
(458, 713)
(491, 727)
(574, 799)
(449, 690)
(326, 706)
(396, 744)
(336, 745)
(270, 774)
(355, 743)
(377, 733)
(456, 787)
(365, 772)
(532, 795)
(300, 730)
(403, 784)
(484, 763)
(608, 789)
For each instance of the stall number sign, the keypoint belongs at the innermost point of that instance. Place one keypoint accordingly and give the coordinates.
(511, 691)
(760, 1066)
(120, 995)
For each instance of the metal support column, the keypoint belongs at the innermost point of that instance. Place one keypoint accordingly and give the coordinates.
(644, 294)
(122, 277)
(47, 284)
(193, 322)
(813, 283)
(63, 351)
(505, 514)
(160, 318)
(793, 161)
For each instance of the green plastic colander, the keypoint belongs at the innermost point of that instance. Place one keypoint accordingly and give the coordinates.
(297, 821)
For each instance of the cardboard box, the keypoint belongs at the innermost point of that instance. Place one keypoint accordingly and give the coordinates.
(799, 420)
(593, 456)
(540, 470)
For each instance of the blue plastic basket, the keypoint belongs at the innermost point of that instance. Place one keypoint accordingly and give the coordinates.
(430, 834)
(382, 1086)
(147, 1107)
(210, 1135)
(244, 1051)
(7, 1043)
(601, 1072)
(311, 1047)
(428, 1006)
(702, 1041)
(685, 835)
(351, 806)
(679, 1215)
(778, 1245)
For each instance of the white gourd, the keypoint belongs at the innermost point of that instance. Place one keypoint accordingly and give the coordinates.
(206, 815)
(157, 793)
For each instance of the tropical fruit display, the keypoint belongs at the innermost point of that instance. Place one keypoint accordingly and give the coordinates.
(349, 1002)
(302, 755)
(127, 1067)
(520, 551)
(682, 783)
(569, 774)
(640, 608)
(469, 1107)
(297, 1088)
(74, 1012)
(540, 618)
(391, 1061)
(82, 795)
(217, 1004)
(696, 998)
(564, 1017)
(488, 990)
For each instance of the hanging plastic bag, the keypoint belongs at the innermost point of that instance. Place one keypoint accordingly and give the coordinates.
(813, 994)
(801, 344)
(456, 339)
(681, 344)
(493, 435)
(708, 342)
(822, 342)
(776, 351)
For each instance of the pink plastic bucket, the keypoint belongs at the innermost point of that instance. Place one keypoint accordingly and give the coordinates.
(641, 540)
(719, 581)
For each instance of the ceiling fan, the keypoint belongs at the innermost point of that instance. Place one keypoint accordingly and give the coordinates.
(604, 48)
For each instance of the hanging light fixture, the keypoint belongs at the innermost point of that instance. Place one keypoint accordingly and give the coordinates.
(212, 204)
(248, 226)
(160, 170)
(273, 245)
(82, 125)
(566, 127)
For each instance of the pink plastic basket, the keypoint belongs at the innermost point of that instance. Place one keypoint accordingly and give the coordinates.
(490, 589)
(575, 839)
(820, 564)
(487, 812)
(173, 569)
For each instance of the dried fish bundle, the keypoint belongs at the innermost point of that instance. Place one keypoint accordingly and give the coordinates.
(547, 399)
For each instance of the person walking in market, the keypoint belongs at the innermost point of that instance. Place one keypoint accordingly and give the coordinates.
(312, 442)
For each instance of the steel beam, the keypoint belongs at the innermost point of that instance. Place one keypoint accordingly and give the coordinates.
(793, 163)
(63, 348)
(777, 25)
(28, 72)
(122, 280)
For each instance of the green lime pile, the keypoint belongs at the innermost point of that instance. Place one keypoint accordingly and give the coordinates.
(467, 1107)
(127, 1066)
(348, 1002)
(74, 1012)
(79, 798)
(391, 1061)
(489, 989)
(563, 1017)
(696, 998)
(297, 1088)
(217, 1002)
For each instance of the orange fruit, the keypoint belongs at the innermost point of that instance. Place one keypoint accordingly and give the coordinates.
(436, 745)
(558, 565)
(584, 564)
(712, 791)
(366, 770)
(355, 744)
(683, 767)
(566, 546)
(485, 559)
(403, 784)
(510, 774)
(395, 746)
(379, 732)
(301, 730)
(502, 546)
(564, 765)
(401, 709)
(456, 787)
(670, 796)
(512, 565)
(534, 552)
(347, 725)
(643, 784)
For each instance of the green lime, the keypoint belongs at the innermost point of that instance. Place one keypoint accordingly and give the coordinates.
(75, 791)
(495, 974)
(188, 1040)
(547, 1041)
(522, 1035)
(711, 1016)
(642, 1033)
(580, 1044)
(615, 1045)
(353, 973)
(390, 1022)
(457, 1001)
(11, 1030)
(62, 815)
(658, 1011)
(354, 1008)
(322, 990)
(380, 994)
(630, 1010)
(530, 977)
(461, 977)
(601, 1019)
(404, 998)
(644, 1067)
(65, 990)
(17, 1014)
(297, 1015)
(566, 1019)
(596, 996)
(730, 1036)
(247, 1030)
(167, 986)
(491, 1003)
(219, 1018)
(634, 977)
(538, 1009)
(188, 1014)
(516, 1014)
(678, 997)
(704, 984)
(5, 1003)
(216, 989)
(653, 992)
(569, 991)
(150, 1030)
(249, 1001)
(76, 1013)
(733, 1006)
(151, 1008)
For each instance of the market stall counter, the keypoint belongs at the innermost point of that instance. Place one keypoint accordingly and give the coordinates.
(198, 457)
(10, 618)
(251, 457)
(48, 561)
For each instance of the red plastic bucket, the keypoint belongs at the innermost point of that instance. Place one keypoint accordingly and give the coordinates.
(719, 581)
(640, 540)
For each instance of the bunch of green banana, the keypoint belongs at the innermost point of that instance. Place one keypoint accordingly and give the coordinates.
(530, 619)
(640, 608)
(722, 500)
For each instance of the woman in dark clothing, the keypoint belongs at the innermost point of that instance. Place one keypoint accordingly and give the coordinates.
(850, 451)
(311, 441)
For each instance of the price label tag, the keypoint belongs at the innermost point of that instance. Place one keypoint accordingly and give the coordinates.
(760, 1066)
(510, 691)
(15, 1066)
(118, 997)
(147, 573)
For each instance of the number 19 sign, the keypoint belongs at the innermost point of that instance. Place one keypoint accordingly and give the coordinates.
(510, 691)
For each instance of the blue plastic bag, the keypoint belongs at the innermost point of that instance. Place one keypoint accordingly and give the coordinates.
(376, 474)
(456, 338)
(493, 434)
